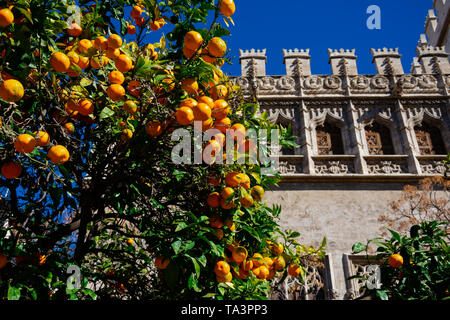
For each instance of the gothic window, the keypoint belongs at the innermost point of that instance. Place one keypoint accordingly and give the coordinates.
(379, 140)
(329, 140)
(429, 139)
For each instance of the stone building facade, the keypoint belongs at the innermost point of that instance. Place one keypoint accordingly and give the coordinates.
(361, 139)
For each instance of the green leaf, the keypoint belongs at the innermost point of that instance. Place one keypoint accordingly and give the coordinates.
(106, 113)
(13, 293)
(382, 294)
(176, 246)
(358, 247)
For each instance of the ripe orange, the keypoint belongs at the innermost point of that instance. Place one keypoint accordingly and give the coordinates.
(73, 57)
(217, 47)
(114, 41)
(123, 63)
(227, 193)
(239, 254)
(116, 92)
(99, 62)
(25, 143)
(11, 90)
(161, 263)
(85, 107)
(226, 278)
(247, 201)
(130, 242)
(207, 124)
(193, 40)
(227, 8)
(184, 116)
(207, 57)
(239, 131)
(11, 170)
(214, 200)
(83, 62)
(215, 221)
(189, 102)
(207, 100)
(221, 109)
(130, 107)
(136, 12)
(74, 30)
(219, 92)
(268, 262)
(6, 17)
(214, 181)
(223, 124)
(233, 179)
(84, 45)
(277, 248)
(220, 138)
(69, 127)
(257, 260)
(257, 193)
(395, 261)
(190, 86)
(131, 29)
(202, 112)
(244, 181)
(279, 263)
(248, 265)
(116, 77)
(112, 54)
(188, 53)
(154, 129)
(294, 270)
(261, 272)
(58, 154)
(101, 43)
(133, 88)
(222, 268)
(43, 138)
(60, 62)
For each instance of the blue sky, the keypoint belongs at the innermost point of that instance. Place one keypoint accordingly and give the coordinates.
(324, 24)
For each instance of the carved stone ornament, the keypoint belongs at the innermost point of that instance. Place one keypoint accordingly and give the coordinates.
(432, 167)
(427, 81)
(286, 168)
(266, 83)
(380, 82)
(385, 167)
(286, 83)
(313, 82)
(360, 82)
(408, 81)
(332, 167)
(333, 82)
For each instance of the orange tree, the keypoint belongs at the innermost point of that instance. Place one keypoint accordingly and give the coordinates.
(412, 267)
(87, 177)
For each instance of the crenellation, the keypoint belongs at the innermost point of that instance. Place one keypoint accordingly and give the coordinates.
(253, 62)
(387, 61)
(298, 62)
(343, 61)
(434, 60)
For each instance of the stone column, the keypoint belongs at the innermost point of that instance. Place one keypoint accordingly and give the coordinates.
(356, 132)
(305, 128)
(408, 138)
(253, 63)
(387, 61)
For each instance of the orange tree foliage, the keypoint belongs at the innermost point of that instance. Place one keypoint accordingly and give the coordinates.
(85, 149)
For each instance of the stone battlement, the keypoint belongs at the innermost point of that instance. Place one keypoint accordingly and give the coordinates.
(430, 60)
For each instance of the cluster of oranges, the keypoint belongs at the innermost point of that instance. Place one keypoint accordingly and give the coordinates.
(264, 266)
(234, 180)
(26, 143)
